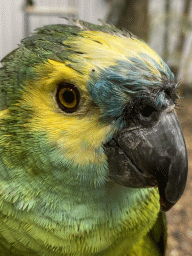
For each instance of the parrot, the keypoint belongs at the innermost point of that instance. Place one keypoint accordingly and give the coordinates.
(92, 153)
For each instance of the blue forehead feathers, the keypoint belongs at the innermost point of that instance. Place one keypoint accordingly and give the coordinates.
(118, 84)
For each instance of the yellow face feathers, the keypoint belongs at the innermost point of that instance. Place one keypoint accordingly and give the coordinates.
(78, 134)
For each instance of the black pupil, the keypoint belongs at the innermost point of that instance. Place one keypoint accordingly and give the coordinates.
(147, 111)
(68, 96)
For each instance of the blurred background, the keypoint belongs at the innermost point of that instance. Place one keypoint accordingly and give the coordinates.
(166, 25)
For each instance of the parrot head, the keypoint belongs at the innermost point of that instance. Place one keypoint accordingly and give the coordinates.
(90, 104)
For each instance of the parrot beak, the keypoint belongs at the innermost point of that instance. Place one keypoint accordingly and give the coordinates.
(148, 157)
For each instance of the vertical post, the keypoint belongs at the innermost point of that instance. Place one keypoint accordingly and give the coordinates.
(26, 23)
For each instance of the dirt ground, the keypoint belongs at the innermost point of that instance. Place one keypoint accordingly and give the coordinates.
(180, 216)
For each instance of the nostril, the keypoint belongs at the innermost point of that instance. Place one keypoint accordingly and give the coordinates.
(112, 143)
(147, 111)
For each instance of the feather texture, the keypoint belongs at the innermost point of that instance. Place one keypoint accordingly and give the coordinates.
(55, 197)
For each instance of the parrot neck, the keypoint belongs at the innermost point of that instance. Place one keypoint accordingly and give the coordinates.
(73, 202)
(69, 210)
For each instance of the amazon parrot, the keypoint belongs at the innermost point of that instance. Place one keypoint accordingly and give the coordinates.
(92, 154)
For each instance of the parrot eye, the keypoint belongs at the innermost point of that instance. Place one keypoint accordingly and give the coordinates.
(67, 97)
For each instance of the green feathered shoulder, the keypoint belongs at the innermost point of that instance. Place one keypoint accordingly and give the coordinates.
(158, 233)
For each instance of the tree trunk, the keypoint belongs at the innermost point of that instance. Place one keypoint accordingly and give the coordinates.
(182, 35)
(131, 15)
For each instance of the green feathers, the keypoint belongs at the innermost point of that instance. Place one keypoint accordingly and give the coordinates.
(65, 93)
